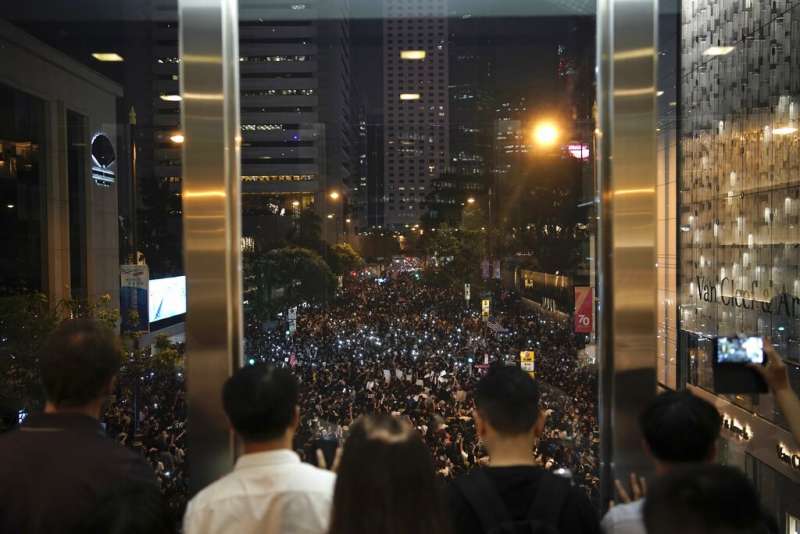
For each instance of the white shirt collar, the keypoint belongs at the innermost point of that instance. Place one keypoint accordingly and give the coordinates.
(269, 458)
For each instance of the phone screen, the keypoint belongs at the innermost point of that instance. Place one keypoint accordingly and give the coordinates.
(740, 350)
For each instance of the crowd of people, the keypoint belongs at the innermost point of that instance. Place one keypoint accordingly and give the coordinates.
(395, 345)
(417, 404)
(149, 416)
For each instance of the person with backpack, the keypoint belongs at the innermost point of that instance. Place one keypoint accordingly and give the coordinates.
(513, 495)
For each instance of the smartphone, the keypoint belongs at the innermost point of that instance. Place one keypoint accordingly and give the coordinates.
(732, 355)
(740, 350)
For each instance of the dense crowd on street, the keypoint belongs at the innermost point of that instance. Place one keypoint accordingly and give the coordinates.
(389, 345)
(149, 416)
(395, 345)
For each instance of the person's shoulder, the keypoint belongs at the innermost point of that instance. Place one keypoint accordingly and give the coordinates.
(315, 477)
(228, 488)
(624, 518)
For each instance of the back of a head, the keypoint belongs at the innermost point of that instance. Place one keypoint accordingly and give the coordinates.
(78, 362)
(260, 401)
(386, 481)
(680, 427)
(704, 499)
(508, 399)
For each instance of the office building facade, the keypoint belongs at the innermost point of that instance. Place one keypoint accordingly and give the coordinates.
(415, 104)
(297, 146)
(728, 211)
(59, 173)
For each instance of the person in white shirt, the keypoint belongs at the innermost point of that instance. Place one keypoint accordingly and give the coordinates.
(270, 491)
(679, 429)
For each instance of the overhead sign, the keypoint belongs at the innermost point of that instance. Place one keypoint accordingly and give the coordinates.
(104, 159)
(584, 310)
(527, 361)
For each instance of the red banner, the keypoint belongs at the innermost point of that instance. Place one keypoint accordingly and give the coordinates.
(584, 310)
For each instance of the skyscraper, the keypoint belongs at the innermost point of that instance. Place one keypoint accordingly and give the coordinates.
(415, 103)
(295, 108)
(471, 93)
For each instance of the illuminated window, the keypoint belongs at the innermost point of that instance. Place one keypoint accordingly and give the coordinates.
(413, 54)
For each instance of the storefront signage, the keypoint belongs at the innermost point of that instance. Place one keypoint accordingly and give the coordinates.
(726, 293)
(103, 160)
(790, 458)
(741, 430)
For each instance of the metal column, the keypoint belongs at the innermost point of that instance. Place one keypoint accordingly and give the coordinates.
(209, 77)
(626, 96)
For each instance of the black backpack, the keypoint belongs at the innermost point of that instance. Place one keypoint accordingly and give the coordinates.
(485, 501)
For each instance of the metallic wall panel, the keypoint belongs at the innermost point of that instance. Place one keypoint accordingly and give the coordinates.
(209, 77)
(626, 81)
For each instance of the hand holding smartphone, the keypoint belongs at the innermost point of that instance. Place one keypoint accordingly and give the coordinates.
(734, 358)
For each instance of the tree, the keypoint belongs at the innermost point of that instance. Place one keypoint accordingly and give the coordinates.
(443, 244)
(286, 277)
(26, 320)
(342, 259)
(307, 231)
(541, 210)
(458, 255)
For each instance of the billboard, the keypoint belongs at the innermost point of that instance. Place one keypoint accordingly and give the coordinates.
(167, 298)
(133, 282)
(584, 310)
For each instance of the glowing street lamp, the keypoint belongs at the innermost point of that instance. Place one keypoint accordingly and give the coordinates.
(471, 200)
(334, 195)
(546, 134)
(177, 138)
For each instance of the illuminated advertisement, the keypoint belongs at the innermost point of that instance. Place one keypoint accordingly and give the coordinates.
(167, 298)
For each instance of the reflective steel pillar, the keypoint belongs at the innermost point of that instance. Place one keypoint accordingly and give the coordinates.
(626, 97)
(209, 78)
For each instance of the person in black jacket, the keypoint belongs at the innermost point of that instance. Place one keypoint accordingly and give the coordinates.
(706, 499)
(513, 494)
(59, 467)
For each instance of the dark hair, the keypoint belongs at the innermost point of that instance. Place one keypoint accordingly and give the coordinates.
(508, 398)
(78, 361)
(680, 427)
(386, 481)
(705, 498)
(260, 401)
(133, 508)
